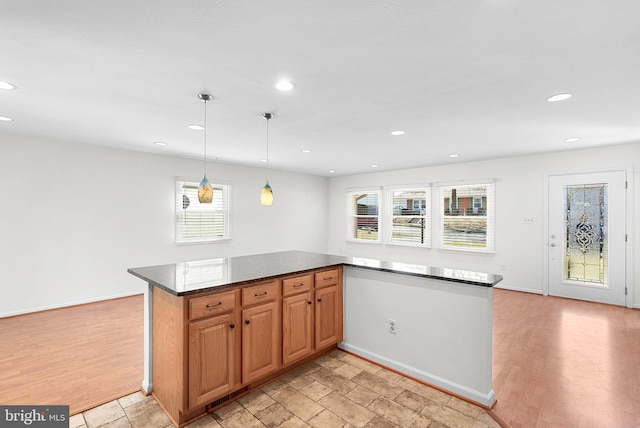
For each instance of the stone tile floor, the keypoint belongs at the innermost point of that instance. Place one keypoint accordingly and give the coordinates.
(337, 390)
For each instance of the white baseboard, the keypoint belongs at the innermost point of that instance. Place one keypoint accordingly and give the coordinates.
(524, 290)
(68, 304)
(486, 399)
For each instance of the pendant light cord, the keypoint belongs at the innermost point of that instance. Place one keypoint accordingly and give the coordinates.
(205, 136)
(267, 116)
(205, 98)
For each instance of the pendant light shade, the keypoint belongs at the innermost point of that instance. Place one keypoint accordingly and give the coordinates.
(205, 190)
(266, 195)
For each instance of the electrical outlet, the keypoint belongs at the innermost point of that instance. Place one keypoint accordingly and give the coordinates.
(528, 220)
(393, 326)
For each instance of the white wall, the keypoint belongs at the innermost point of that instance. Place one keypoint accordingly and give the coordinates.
(74, 217)
(520, 192)
(443, 329)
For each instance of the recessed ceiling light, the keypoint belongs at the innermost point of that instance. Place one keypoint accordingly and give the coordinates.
(454, 155)
(374, 166)
(396, 133)
(284, 85)
(306, 151)
(332, 171)
(7, 85)
(196, 127)
(160, 143)
(559, 97)
(571, 140)
(5, 119)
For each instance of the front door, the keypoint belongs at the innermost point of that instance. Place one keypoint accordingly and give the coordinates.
(587, 236)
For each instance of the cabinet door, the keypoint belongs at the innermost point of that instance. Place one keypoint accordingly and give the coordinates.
(260, 341)
(297, 327)
(328, 316)
(211, 359)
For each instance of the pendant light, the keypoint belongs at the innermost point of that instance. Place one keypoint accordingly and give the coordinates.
(205, 190)
(266, 196)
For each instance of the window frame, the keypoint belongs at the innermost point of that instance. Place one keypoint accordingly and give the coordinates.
(488, 202)
(390, 215)
(224, 208)
(352, 218)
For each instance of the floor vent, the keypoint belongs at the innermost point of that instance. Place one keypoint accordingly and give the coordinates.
(219, 401)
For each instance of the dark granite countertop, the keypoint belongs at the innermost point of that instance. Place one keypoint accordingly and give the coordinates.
(206, 275)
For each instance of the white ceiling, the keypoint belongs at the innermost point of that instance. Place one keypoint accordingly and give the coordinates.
(459, 76)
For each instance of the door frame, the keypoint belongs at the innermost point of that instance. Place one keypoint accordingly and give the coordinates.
(628, 228)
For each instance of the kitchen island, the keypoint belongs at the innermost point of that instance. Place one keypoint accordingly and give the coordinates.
(217, 328)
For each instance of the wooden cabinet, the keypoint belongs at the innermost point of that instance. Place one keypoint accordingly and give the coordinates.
(328, 308)
(259, 341)
(260, 331)
(297, 319)
(212, 347)
(211, 359)
(311, 314)
(328, 317)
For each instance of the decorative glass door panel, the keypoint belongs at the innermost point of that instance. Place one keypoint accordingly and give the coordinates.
(585, 237)
(586, 247)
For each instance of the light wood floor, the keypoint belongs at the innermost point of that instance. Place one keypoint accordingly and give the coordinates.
(556, 362)
(565, 363)
(82, 356)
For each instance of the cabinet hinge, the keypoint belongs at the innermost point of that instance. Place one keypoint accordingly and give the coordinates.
(625, 291)
(626, 184)
(625, 237)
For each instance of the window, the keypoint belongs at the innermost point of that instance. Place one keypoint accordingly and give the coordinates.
(196, 222)
(467, 217)
(410, 217)
(364, 222)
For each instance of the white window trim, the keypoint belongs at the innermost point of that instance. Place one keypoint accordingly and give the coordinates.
(226, 210)
(388, 215)
(350, 215)
(438, 208)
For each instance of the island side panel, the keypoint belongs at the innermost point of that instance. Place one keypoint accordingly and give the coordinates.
(168, 350)
(147, 380)
(443, 329)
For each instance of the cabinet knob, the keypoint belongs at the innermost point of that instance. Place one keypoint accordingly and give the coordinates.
(309, 302)
(319, 300)
(247, 322)
(232, 326)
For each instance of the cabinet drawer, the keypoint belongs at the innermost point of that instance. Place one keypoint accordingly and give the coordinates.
(296, 285)
(260, 293)
(328, 277)
(213, 304)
